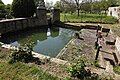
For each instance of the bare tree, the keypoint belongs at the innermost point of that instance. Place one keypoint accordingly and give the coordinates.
(70, 3)
(78, 6)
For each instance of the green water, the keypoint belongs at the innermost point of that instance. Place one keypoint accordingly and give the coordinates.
(47, 41)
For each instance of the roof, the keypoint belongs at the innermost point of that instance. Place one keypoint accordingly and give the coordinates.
(115, 7)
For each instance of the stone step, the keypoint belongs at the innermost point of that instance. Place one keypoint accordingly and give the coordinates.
(102, 61)
(117, 58)
(109, 67)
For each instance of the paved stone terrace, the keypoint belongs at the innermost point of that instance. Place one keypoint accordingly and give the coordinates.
(86, 46)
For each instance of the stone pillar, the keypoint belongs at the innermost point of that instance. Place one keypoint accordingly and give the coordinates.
(41, 17)
(41, 14)
(55, 15)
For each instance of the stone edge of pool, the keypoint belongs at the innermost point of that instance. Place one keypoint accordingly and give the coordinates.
(64, 49)
(48, 58)
(38, 55)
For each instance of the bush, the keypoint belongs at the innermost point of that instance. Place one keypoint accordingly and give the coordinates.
(24, 54)
(78, 70)
(23, 8)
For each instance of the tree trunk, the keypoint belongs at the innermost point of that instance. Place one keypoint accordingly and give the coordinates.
(105, 12)
(78, 12)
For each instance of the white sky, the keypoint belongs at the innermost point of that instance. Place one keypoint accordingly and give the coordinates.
(54, 1)
(10, 1)
(7, 1)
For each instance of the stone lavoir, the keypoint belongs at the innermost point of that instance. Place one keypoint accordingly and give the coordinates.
(48, 41)
(11, 25)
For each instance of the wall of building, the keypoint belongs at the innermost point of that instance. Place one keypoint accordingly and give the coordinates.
(114, 11)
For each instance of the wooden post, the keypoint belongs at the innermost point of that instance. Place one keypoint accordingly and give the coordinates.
(97, 53)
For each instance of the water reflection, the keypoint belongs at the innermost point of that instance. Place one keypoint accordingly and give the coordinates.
(48, 41)
(54, 32)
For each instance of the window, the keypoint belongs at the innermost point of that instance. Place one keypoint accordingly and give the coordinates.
(110, 13)
(118, 14)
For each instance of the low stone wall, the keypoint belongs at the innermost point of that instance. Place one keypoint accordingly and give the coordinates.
(117, 45)
(64, 49)
(19, 24)
(10, 25)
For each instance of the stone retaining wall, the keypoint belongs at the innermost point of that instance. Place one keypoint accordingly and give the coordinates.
(10, 25)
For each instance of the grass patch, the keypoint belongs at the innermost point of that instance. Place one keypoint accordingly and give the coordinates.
(20, 71)
(88, 18)
(4, 55)
(116, 29)
(96, 63)
(117, 69)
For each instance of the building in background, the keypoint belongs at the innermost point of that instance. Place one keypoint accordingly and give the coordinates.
(114, 11)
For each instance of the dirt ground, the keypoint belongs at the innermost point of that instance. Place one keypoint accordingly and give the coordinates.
(56, 70)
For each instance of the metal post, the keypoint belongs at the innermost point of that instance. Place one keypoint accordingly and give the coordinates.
(97, 29)
(96, 43)
(97, 53)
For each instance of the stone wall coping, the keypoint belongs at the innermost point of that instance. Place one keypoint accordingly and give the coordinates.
(10, 20)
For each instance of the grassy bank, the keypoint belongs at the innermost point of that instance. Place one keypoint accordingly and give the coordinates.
(116, 29)
(88, 18)
(117, 69)
(20, 71)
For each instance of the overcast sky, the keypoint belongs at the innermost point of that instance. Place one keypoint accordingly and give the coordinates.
(10, 1)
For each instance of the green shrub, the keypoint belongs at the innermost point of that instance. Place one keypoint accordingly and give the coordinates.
(96, 63)
(78, 70)
(67, 78)
(24, 54)
(23, 8)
